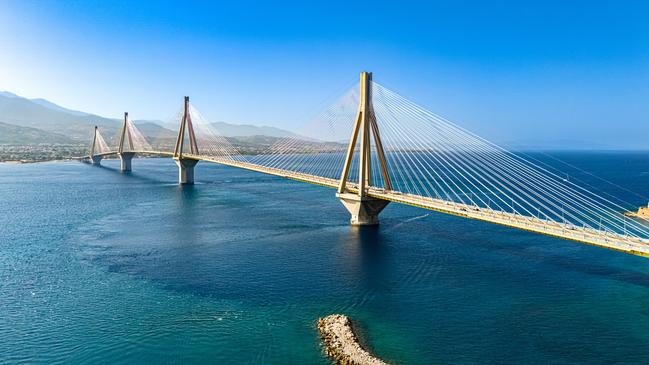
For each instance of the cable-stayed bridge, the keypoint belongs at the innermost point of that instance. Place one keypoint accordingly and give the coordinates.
(375, 147)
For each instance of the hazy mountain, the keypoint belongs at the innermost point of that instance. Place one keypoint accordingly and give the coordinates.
(23, 112)
(50, 105)
(64, 125)
(45, 103)
(16, 135)
(38, 130)
(56, 121)
(8, 94)
(248, 130)
(154, 130)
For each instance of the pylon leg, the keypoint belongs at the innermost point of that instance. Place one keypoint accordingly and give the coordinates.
(364, 210)
(186, 170)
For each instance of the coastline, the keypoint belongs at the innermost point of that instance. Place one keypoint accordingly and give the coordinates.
(24, 162)
(20, 162)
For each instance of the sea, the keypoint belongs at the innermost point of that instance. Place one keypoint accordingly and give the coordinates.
(103, 267)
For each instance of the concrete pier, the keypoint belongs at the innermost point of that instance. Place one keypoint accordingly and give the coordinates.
(125, 158)
(341, 344)
(364, 210)
(96, 160)
(185, 170)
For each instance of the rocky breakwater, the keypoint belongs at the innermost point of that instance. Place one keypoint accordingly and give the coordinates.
(341, 344)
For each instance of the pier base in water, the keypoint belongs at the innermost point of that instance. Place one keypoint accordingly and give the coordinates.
(125, 158)
(96, 160)
(364, 210)
(186, 170)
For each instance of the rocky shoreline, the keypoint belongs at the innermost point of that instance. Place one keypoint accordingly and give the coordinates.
(341, 344)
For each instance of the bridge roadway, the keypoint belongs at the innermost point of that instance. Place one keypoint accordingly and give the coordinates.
(610, 240)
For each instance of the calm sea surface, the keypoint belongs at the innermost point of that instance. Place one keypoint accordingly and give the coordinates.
(97, 266)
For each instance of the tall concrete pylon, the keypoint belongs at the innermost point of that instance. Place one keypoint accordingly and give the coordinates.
(185, 165)
(96, 160)
(125, 157)
(364, 209)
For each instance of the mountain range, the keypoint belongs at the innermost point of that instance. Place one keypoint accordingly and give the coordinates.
(26, 121)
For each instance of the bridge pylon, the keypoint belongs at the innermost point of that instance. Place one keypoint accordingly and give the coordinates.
(96, 159)
(125, 157)
(363, 208)
(186, 165)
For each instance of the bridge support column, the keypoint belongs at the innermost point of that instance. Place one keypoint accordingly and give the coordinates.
(96, 160)
(364, 210)
(185, 170)
(185, 165)
(126, 158)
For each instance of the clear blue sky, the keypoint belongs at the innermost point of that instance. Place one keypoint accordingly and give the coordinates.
(538, 73)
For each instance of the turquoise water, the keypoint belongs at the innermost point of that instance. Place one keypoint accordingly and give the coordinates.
(97, 266)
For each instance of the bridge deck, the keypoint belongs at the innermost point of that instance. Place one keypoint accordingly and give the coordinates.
(628, 244)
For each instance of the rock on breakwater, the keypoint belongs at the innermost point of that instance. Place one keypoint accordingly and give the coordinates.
(341, 343)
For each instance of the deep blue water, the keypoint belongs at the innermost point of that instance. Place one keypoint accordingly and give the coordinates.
(97, 266)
